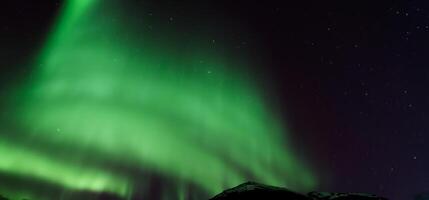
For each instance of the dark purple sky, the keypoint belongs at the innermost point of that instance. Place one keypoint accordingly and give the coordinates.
(353, 77)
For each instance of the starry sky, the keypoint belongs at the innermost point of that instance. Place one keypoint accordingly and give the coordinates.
(348, 78)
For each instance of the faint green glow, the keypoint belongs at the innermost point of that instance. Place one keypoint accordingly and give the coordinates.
(97, 89)
(29, 163)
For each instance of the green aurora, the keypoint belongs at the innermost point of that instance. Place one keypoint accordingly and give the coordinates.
(105, 100)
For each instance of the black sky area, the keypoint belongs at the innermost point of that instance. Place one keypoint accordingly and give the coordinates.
(350, 77)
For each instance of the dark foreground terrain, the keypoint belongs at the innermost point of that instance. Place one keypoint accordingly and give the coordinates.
(251, 190)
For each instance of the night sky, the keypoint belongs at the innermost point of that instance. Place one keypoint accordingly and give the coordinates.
(348, 77)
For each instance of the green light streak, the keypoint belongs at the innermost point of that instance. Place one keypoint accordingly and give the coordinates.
(96, 89)
(26, 162)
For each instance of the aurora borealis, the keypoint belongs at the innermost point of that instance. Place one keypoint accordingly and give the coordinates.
(107, 104)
